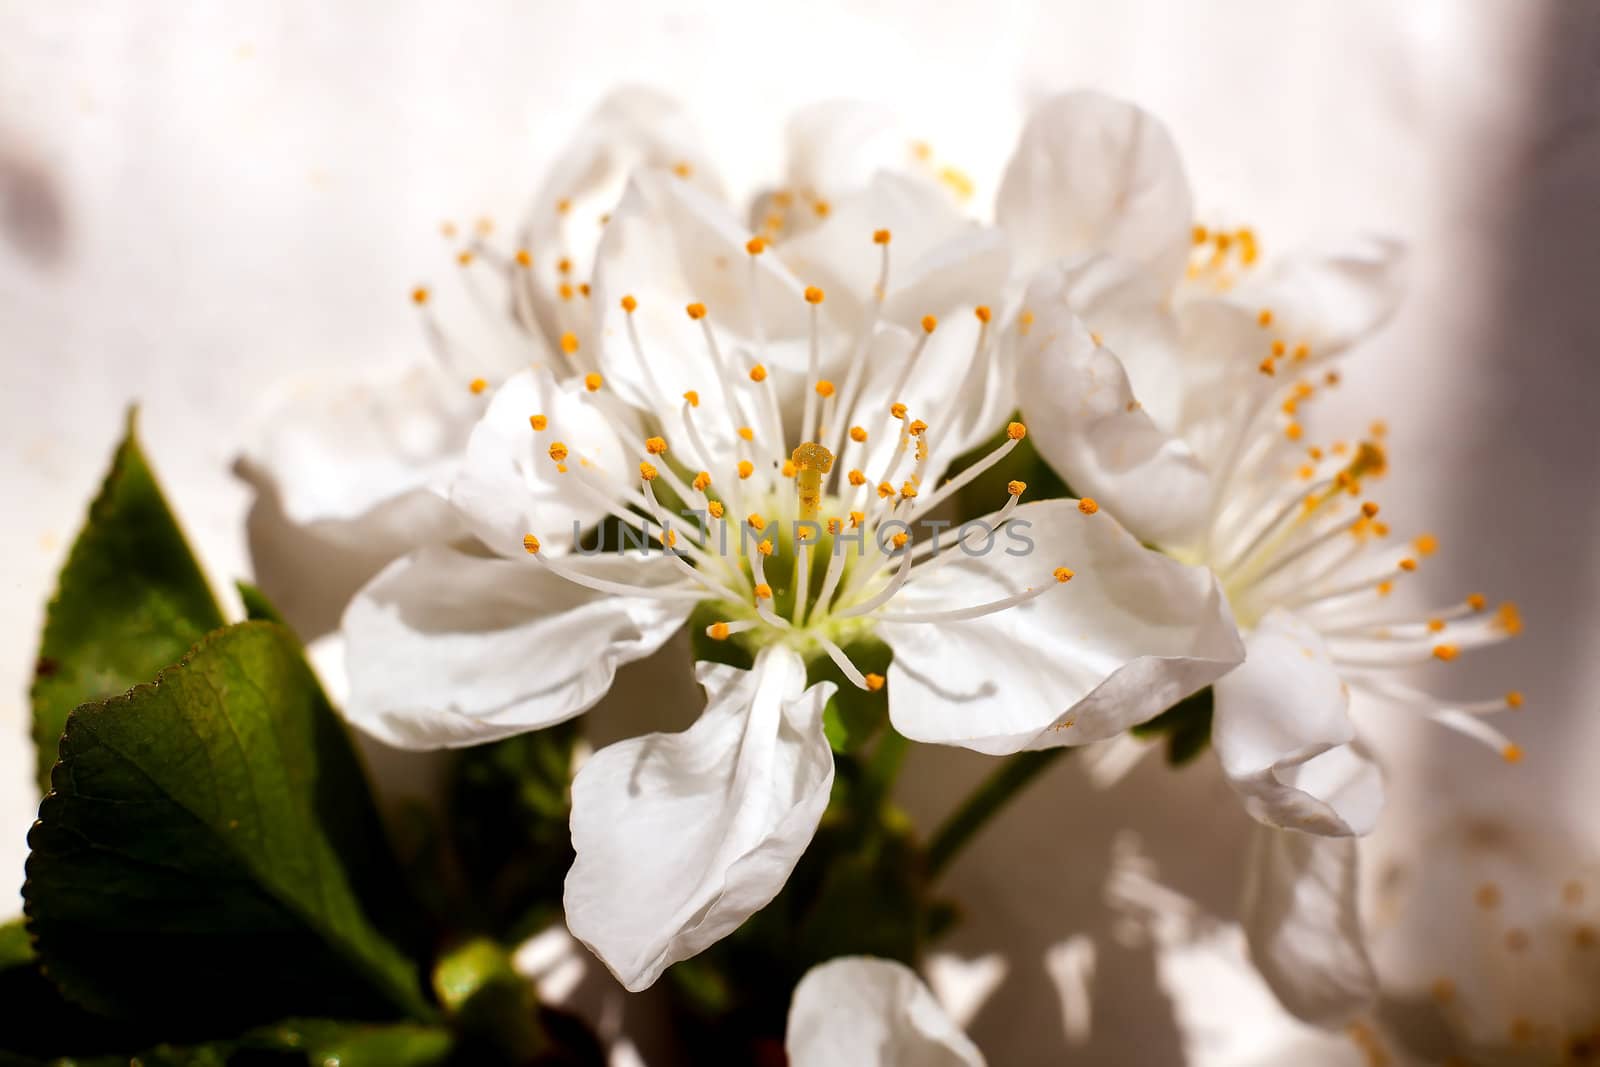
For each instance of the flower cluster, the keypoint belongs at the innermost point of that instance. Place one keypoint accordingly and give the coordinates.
(775, 424)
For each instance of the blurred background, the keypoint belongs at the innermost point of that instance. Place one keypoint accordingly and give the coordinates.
(197, 201)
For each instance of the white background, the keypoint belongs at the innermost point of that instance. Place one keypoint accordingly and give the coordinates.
(196, 201)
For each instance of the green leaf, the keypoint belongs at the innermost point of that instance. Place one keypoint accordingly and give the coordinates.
(130, 601)
(1186, 726)
(257, 607)
(210, 852)
(345, 1044)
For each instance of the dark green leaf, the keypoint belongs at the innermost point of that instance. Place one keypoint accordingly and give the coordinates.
(256, 605)
(324, 1042)
(1186, 726)
(210, 852)
(130, 601)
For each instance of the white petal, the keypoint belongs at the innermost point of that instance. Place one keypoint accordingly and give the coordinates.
(869, 1012)
(1087, 423)
(836, 147)
(1283, 733)
(1130, 635)
(632, 128)
(1302, 921)
(1094, 174)
(1334, 297)
(445, 649)
(668, 246)
(681, 837)
(509, 485)
(364, 458)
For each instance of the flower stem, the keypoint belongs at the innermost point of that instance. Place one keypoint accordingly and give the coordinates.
(1007, 780)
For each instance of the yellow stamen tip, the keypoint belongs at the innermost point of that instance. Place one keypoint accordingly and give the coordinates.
(814, 295)
(758, 373)
(1476, 601)
(1088, 505)
(874, 682)
(1446, 652)
(524, 259)
(917, 428)
(765, 547)
(746, 433)
(1509, 618)
(629, 304)
(983, 313)
(858, 434)
(569, 343)
(593, 382)
(755, 246)
(899, 540)
(746, 468)
(1264, 317)
(693, 398)
(696, 311)
(756, 521)
(419, 295)
(929, 323)
(538, 422)
(1369, 509)
(1016, 431)
(763, 591)
(1063, 574)
(1426, 544)
(648, 472)
(717, 631)
(1514, 699)
(558, 451)
(531, 543)
(702, 481)
(655, 445)
(1016, 488)
(1512, 753)
(464, 257)
(880, 237)
(898, 410)
(857, 478)
(716, 508)
(824, 388)
(477, 385)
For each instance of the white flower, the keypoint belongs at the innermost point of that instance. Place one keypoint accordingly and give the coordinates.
(364, 460)
(802, 400)
(1167, 381)
(869, 1012)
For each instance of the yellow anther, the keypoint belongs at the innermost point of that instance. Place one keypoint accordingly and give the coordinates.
(1307, 472)
(629, 304)
(857, 478)
(1264, 317)
(1016, 431)
(857, 518)
(1408, 564)
(814, 295)
(1025, 322)
(561, 468)
(898, 410)
(835, 525)
(1512, 753)
(647, 471)
(524, 259)
(655, 445)
(693, 398)
(765, 547)
(1446, 653)
(564, 290)
(874, 682)
(1426, 544)
(671, 539)
(929, 323)
(531, 543)
(907, 490)
(538, 422)
(717, 631)
(702, 481)
(1514, 699)
(1088, 505)
(1508, 618)
(858, 434)
(558, 451)
(1063, 574)
(1267, 367)
(1099, 341)
(1435, 626)
(763, 591)
(1369, 509)
(758, 373)
(696, 311)
(1331, 378)
(746, 468)
(1303, 350)
(682, 169)
(746, 433)
(583, 288)
(983, 313)
(755, 246)
(917, 428)
(885, 490)
(1294, 431)
(419, 295)
(563, 206)
(822, 208)
(756, 522)
(1385, 588)
(788, 469)
(716, 508)
(593, 382)
(569, 343)
(880, 237)
(1016, 488)
(1477, 601)
(477, 385)
(447, 228)
(464, 257)
(1199, 235)
(899, 540)
(824, 388)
